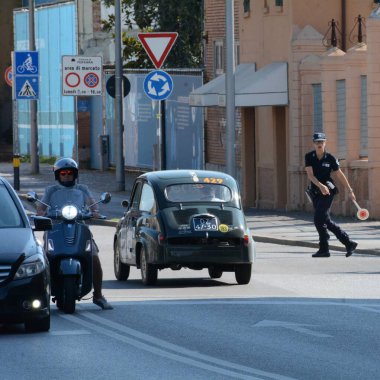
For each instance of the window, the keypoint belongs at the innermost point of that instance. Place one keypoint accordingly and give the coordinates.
(317, 116)
(279, 3)
(363, 117)
(247, 6)
(341, 117)
(147, 202)
(199, 192)
(218, 57)
(9, 215)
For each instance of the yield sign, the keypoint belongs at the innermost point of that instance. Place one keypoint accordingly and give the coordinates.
(157, 45)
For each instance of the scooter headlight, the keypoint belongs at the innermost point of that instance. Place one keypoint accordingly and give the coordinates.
(69, 212)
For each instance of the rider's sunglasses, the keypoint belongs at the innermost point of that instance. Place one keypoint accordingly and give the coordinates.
(66, 172)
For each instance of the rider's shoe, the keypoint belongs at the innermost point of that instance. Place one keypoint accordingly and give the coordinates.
(102, 302)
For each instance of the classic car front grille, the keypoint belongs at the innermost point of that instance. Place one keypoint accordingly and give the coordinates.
(233, 242)
(4, 272)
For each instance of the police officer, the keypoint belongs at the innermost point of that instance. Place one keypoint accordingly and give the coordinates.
(319, 167)
(66, 173)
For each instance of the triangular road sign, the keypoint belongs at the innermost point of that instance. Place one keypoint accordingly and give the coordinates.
(158, 45)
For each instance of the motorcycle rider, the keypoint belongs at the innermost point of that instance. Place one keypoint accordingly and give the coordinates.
(66, 173)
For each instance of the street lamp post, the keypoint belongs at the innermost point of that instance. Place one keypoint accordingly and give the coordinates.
(120, 175)
(34, 157)
(230, 89)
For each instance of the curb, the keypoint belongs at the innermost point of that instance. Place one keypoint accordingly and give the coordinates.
(267, 239)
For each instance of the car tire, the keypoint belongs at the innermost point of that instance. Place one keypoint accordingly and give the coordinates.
(243, 273)
(121, 270)
(214, 272)
(38, 325)
(148, 271)
(69, 294)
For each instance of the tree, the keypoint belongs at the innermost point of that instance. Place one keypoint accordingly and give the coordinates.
(181, 16)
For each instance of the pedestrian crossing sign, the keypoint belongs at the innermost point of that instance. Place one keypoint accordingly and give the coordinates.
(27, 87)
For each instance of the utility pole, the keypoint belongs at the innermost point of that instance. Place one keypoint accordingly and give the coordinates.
(230, 89)
(34, 157)
(119, 127)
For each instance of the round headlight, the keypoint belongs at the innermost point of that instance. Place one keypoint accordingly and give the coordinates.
(69, 212)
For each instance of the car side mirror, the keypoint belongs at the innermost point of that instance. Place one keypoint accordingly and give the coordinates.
(41, 223)
(105, 197)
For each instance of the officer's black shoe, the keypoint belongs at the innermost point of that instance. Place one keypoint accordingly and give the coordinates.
(321, 253)
(350, 247)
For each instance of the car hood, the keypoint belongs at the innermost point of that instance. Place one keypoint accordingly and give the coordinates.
(14, 242)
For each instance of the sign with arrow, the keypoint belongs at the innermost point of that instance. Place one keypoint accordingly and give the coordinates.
(158, 85)
(157, 45)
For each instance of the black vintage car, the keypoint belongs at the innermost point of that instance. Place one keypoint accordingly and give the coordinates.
(184, 218)
(24, 268)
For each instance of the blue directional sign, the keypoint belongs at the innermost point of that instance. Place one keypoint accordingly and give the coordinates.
(158, 85)
(26, 75)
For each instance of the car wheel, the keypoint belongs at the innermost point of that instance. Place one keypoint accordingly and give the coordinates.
(38, 325)
(121, 270)
(148, 271)
(214, 272)
(243, 273)
(69, 294)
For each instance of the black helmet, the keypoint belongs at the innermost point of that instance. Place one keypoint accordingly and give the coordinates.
(65, 163)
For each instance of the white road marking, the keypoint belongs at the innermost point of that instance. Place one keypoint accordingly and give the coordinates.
(170, 350)
(298, 327)
(70, 332)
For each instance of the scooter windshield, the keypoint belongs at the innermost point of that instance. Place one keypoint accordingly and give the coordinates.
(67, 196)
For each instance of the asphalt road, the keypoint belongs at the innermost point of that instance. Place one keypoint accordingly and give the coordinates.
(299, 318)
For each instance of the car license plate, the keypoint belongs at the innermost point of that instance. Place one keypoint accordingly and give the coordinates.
(205, 224)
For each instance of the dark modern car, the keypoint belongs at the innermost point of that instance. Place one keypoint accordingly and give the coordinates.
(184, 218)
(24, 268)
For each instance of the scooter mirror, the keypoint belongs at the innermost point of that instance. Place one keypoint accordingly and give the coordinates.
(31, 196)
(105, 197)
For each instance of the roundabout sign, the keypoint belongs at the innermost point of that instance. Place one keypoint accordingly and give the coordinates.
(158, 85)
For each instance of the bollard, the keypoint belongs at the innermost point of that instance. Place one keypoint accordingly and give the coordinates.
(16, 171)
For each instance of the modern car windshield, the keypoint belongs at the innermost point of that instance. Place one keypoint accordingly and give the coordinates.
(196, 192)
(9, 214)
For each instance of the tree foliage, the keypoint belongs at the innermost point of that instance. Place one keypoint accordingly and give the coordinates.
(181, 16)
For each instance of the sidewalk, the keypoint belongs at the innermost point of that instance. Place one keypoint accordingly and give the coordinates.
(290, 228)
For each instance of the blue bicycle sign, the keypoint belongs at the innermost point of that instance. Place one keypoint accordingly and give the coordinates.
(26, 63)
(158, 85)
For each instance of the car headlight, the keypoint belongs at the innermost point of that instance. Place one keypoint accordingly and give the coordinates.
(30, 267)
(69, 212)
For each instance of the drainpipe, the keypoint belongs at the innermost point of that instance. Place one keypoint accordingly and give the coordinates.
(344, 25)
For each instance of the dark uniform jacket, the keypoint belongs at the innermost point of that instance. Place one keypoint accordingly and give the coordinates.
(321, 168)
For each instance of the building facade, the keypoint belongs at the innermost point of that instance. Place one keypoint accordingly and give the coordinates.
(331, 82)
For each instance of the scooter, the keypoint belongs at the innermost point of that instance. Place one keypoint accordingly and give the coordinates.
(68, 246)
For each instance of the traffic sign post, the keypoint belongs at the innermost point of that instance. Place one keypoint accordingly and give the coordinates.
(26, 75)
(158, 84)
(81, 75)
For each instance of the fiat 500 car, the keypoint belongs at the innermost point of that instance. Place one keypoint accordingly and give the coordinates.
(184, 219)
(24, 269)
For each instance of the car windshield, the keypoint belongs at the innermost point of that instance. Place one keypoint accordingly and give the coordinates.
(196, 192)
(9, 214)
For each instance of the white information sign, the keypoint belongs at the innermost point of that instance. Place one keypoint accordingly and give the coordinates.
(81, 75)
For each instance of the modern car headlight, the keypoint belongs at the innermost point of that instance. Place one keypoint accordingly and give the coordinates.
(69, 212)
(30, 267)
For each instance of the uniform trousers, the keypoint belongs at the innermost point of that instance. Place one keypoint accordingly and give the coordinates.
(322, 221)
